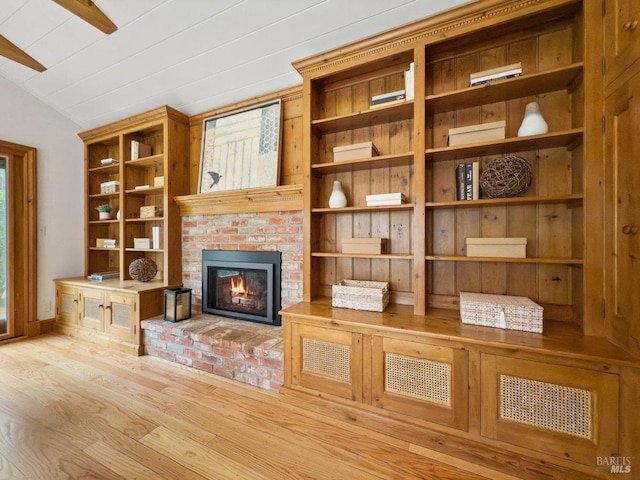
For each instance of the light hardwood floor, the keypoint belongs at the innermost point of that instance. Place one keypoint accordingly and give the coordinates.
(74, 410)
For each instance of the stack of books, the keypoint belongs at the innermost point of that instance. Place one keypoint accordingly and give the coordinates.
(106, 242)
(103, 275)
(108, 161)
(493, 74)
(468, 181)
(386, 99)
(382, 199)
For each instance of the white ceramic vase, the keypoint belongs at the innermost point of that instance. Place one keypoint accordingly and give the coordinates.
(337, 199)
(104, 215)
(532, 123)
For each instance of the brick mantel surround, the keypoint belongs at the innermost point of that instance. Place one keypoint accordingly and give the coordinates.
(248, 352)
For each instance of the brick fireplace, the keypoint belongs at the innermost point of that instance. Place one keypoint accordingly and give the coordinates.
(241, 350)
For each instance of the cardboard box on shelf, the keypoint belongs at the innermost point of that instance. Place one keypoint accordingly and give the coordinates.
(483, 132)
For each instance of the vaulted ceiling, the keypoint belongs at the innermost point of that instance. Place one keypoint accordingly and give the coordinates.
(194, 55)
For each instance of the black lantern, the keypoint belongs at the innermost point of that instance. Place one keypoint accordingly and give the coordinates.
(177, 304)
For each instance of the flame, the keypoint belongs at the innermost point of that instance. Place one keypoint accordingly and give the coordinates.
(238, 288)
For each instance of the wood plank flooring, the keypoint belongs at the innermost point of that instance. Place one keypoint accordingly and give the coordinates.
(74, 410)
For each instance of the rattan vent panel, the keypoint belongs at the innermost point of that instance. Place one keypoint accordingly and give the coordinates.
(121, 315)
(418, 378)
(67, 303)
(325, 358)
(92, 308)
(545, 405)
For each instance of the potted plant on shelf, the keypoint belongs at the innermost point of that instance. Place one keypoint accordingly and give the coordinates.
(104, 211)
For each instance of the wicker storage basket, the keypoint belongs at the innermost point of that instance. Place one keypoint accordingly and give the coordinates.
(150, 212)
(360, 295)
(501, 311)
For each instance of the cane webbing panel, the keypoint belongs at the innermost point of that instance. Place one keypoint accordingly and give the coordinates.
(326, 358)
(120, 315)
(92, 308)
(418, 378)
(67, 303)
(545, 405)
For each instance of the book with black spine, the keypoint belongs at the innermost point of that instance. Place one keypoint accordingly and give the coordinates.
(468, 181)
(460, 182)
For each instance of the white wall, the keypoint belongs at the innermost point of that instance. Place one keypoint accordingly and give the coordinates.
(27, 121)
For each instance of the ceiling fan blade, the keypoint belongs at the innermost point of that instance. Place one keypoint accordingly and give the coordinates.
(90, 13)
(12, 52)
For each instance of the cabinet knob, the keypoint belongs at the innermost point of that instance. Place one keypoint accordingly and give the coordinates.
(630, 25)
(630, 229)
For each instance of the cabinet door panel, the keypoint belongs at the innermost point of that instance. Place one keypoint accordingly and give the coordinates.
(67, 305)
(424, 381)
(562, 411)
(121, 321)
(621, 35)
(92, 310)
(327, 360)
(622, 215)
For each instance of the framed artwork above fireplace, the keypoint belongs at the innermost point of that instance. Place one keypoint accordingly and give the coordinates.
(241, 149)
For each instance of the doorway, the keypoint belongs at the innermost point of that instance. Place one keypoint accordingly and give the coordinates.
(17, 240)
(5, 326)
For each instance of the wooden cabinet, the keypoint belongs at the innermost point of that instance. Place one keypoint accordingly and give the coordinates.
(108, 312)
(338, 114)
(622, 231)
(130, 181)
(577, 215)
(622, 36)
(413, 378)
(327, 360)
(92, 308)
(567, 412)
(67, 304)
(550, 213)
(139, 183)
(422, 380)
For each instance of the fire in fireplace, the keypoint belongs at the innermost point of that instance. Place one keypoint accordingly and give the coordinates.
(243, 285)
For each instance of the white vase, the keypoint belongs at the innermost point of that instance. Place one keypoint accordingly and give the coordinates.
(104, 215)
(532, 123)
(337, 198)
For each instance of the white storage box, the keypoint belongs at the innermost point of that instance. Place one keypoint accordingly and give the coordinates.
(503, 247)
(360, 295)
(141, 243)
(483, 132)
(110, 187)
(501, 311)
(354, 152)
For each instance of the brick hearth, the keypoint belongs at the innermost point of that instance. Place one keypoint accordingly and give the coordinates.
(244, 351)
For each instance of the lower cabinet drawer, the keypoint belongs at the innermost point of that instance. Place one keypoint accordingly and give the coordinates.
(563, 411)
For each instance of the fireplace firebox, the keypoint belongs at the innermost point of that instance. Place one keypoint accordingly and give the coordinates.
(242, 285)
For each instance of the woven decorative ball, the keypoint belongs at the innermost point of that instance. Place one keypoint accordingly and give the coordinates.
(507, 176)
(143, 269)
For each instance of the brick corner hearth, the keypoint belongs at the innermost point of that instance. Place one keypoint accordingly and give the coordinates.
(235, 349)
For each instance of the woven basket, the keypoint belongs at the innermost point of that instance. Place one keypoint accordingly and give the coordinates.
(507, 176)
(143, 269)
(150, 211)
(360, 295)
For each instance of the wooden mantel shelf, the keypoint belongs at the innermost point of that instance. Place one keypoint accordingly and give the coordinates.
(254, 200)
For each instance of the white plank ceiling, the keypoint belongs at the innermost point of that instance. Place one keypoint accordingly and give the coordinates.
(194, 55)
